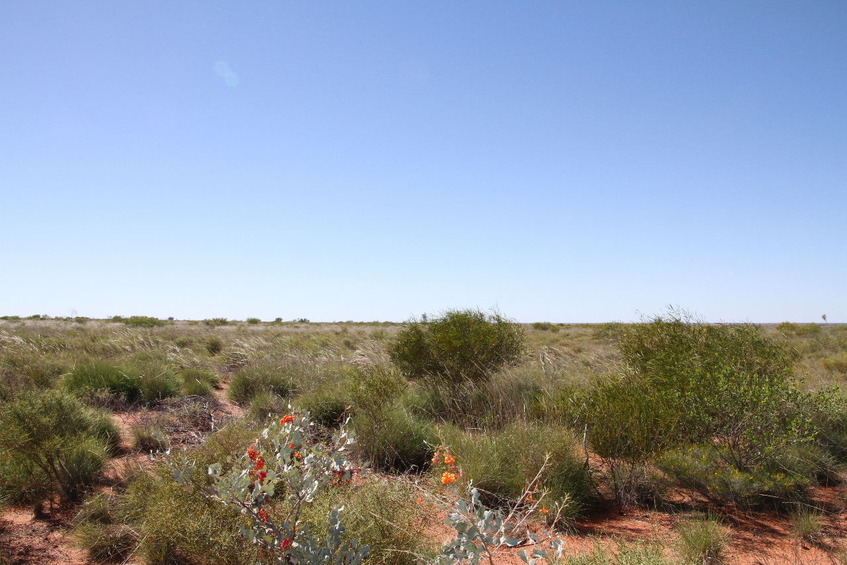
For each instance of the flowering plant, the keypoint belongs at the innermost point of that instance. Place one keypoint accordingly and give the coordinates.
(286, 461)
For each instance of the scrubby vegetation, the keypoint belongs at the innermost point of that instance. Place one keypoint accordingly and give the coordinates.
(547, 421)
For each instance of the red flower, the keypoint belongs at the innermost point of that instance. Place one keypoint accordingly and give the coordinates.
(263, 516)
(252, 453)
(286, 543)
(260, 464)
(287, 419)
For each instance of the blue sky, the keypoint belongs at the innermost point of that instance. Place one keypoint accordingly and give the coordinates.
(561, 161)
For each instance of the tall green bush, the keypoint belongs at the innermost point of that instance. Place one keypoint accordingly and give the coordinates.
(461, 345)
(52, 444)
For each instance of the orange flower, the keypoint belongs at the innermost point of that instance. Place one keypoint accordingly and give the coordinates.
(291, 446)
(448, 478)
(449, 459)
(287, 419)
(252, 453)
(420, 500)
(544, 511)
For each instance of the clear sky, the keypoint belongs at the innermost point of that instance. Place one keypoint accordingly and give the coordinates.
(562, 161)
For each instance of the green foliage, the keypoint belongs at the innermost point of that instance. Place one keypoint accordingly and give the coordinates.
(381, 514)
(327, 404)
(545, 327)
(460, 346)
(214, 322)
(141, 381)
(695, 383)
(266, 405)
(257, 378)
(198, 381)
(52, 444)
(702, 541)
(24, 369)
(143, 321)
(500, 464)
(389, 437)
(214, 345)
(807, 524)
(177, 522)
(149, 439)
(708, 470)
(254, 321)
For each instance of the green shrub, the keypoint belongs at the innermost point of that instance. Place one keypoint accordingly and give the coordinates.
(266, 405)
(327, 405)
(214, 345)
(692, 383)
(178, 523)
(460, 346)
(381, 514)
(143, 321)
(106, 542)
(807, 525)
(254, 321)
(198, 381)
(142, 380)
(391, 439)
(52, 444)
(214, 322)
(702, 541)
(149, 439)
(20, 371)
(254, 379)
(707, 470)
(501, 464)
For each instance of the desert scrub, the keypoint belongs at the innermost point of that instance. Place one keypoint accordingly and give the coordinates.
(177, 521)
(500, 464)
(143, 380)
(390, 437)
(702, 541)
(255, 378)
(198, 381)
(703, 468)
(271, 484)
(382, 514)
(39, 459)
(459, 346)
(807, 525)
(724, 388)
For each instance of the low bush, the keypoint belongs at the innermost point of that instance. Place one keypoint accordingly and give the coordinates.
(327, 404)
(52, 444)
(140, 381)
(702, 541)
(149, 439)
(257, 378)
(143, 321)
(807, 525)
(266, 405)
(394, 440)
(381, 514)
(707, 470)
(178, 523)
(214, 345)
(500, 464)
(198, 382)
